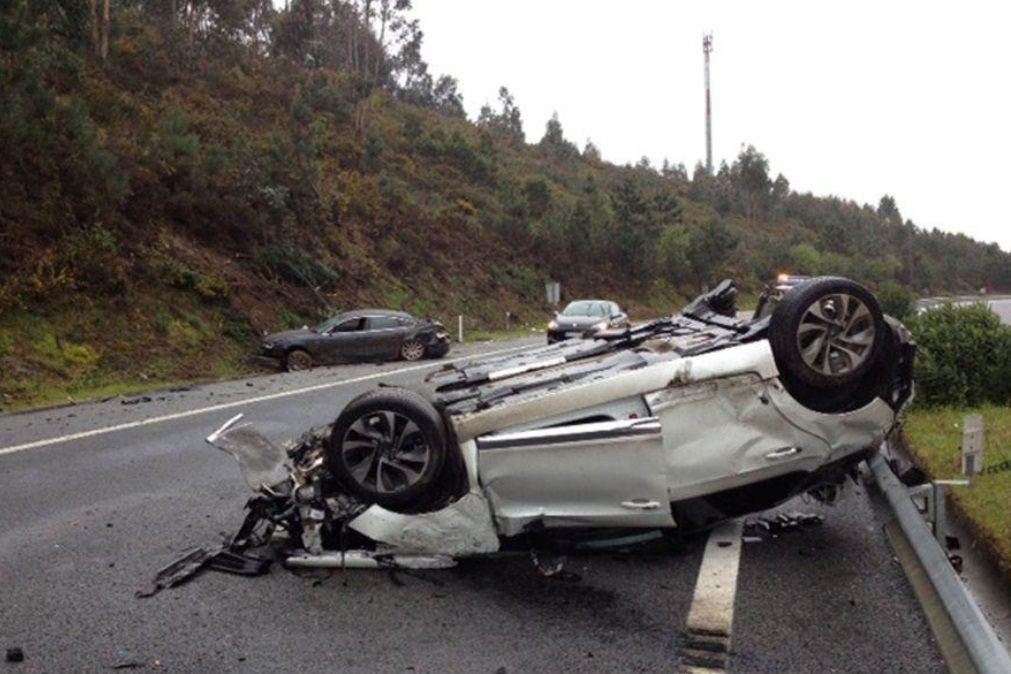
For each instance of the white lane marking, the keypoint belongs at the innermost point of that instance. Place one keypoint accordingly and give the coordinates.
(711, 617)
(227, 406)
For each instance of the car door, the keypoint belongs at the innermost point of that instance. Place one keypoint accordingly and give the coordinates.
(601, 473)
(385, 334)
(344, 341)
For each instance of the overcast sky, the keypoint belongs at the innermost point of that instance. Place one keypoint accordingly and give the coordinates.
(855, 99)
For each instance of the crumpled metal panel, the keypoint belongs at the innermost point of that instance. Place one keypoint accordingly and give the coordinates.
(263, 464)
(754, 357)
(721, 434)
(728, 433)
(604, 484)
(845, 433)
(463, 528)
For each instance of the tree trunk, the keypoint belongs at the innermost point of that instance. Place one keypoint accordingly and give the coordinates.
(367, 19)
(383, 17)
(353, 39)
(94, 26)
(191, 23)
(104, 48)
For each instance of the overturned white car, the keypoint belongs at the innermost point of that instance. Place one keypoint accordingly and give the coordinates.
(673, 425)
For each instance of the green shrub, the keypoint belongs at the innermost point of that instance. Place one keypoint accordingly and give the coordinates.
(896, 300)
(176, 274)
(964, 356)
(295, 265)
(6, 344)
(93, 258)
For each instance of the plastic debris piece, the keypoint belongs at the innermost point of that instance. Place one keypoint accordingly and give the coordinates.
(774, 526)
(547, 564)
(239, 563)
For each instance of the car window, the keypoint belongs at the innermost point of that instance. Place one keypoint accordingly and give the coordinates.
(585, 309)
(350, 325)
(615, 309)
(383, 322)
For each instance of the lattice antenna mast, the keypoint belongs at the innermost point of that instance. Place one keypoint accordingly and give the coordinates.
(707, 46)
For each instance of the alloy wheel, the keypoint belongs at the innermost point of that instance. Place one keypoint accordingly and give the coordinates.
(836, 334)
(385, 452)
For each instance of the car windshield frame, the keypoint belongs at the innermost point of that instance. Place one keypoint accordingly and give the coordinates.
(328, 324)
(583, 308)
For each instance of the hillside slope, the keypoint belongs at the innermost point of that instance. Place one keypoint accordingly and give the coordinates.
(234, 169)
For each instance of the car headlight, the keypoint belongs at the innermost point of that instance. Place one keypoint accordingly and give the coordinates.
(603, 325)
(552, 325)
(267, 346)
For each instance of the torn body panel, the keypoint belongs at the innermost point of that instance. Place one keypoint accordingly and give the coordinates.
(594, 391)
(462, 528)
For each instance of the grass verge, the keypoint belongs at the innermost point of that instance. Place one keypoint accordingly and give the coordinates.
(94, 352)
(934, 436)
(499, 335)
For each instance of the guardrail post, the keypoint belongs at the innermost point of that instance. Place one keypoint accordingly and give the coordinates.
(934, 508)
(459, 333)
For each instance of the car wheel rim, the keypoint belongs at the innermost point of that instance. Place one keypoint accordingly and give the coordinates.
(836, 334)
(385, 452)
(298, 361)
(413, 351)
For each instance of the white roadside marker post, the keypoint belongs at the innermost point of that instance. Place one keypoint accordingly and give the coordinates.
(973, 441)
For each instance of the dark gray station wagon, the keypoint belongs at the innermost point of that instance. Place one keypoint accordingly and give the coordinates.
(363, 335)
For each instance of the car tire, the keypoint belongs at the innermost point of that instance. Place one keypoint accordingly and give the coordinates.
(412, 349)
(388, 447)
(297, 359)
(827, 333)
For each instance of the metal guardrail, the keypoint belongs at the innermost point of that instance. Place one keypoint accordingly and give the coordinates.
(983, 648)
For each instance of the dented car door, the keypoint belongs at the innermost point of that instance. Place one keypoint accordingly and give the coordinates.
(604, 473)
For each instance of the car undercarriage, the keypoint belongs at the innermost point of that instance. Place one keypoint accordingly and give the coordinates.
(673, 425)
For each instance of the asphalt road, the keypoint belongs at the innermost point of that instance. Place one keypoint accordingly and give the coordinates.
(87, 521)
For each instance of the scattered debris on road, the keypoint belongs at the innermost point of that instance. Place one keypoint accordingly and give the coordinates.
(757, 529)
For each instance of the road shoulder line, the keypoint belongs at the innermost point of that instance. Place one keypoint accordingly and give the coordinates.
(13, 449)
